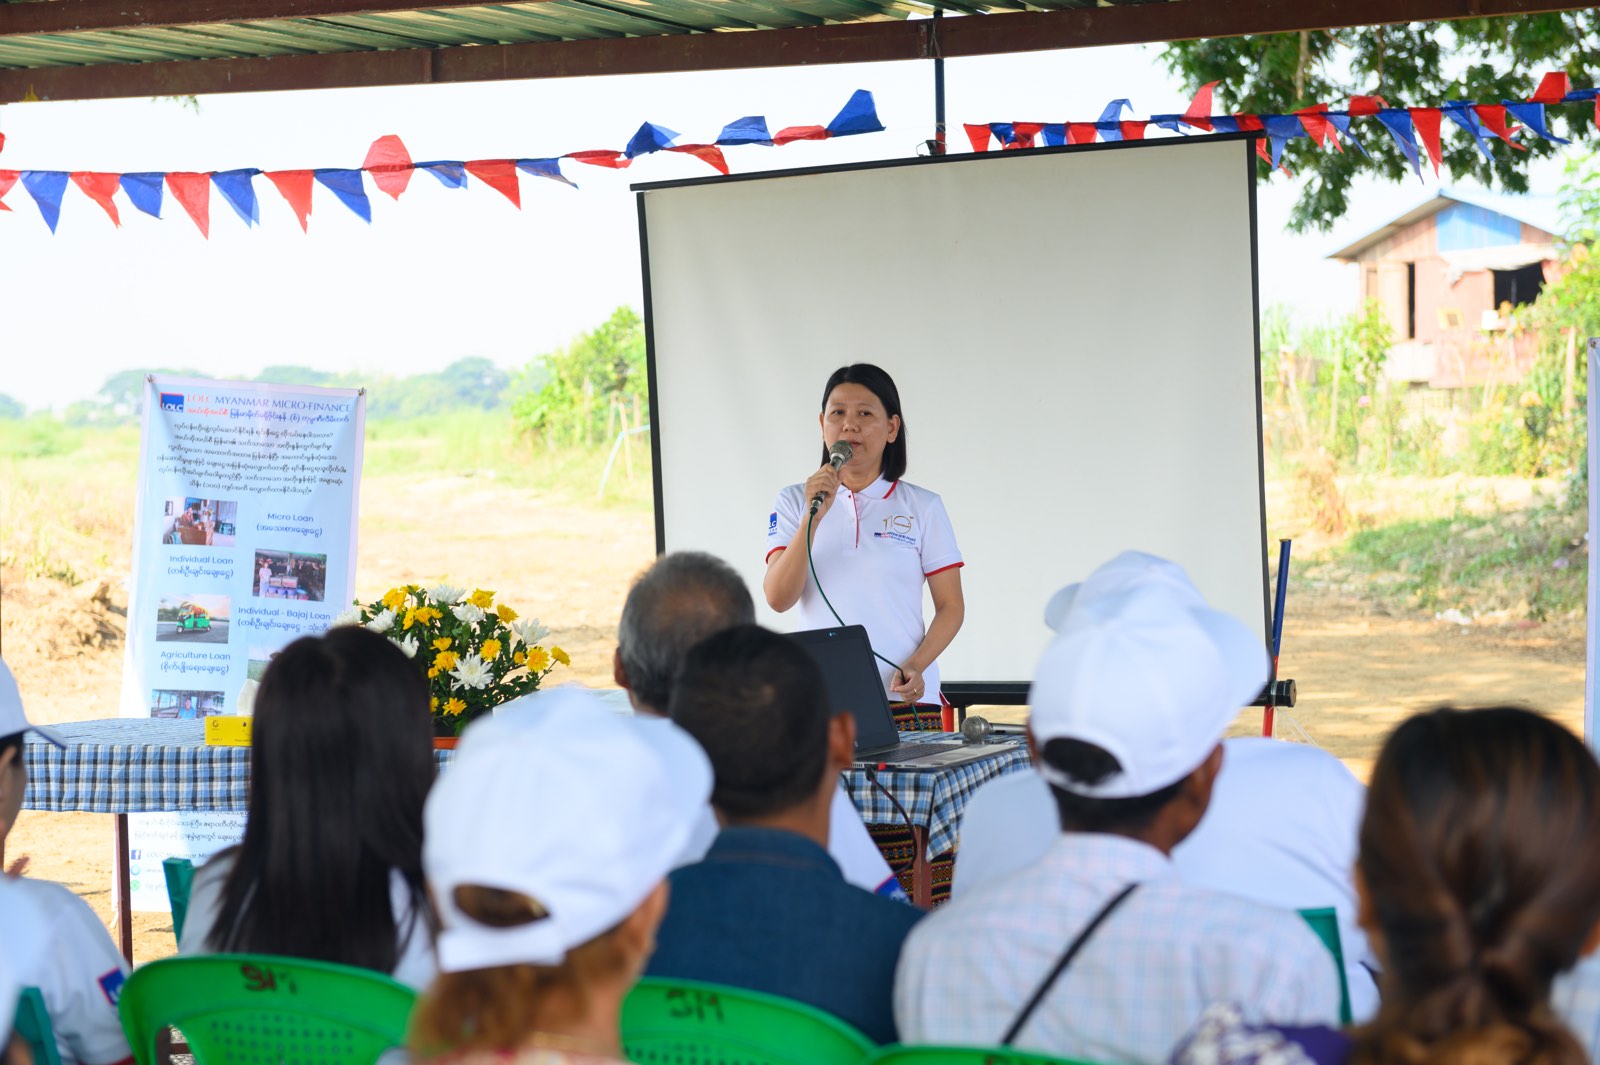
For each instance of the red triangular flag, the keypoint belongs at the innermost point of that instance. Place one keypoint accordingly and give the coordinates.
(295, 187)
(500, 175)
(1025, 132)
(194, 192)
(2, 142)
(1553, 88)
(1318, 128)
(389, 164)
(1133, 131)
(1367, 105)
(979, 135)
(707, 153)
(1494, 120)
(1248, 123)
(1199, 113)
(801, 133)
(8, 178)
(1426, 120)
(1081, 132)
(601, 157)
(100, 188)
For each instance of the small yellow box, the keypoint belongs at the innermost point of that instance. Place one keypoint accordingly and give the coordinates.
(224, 731)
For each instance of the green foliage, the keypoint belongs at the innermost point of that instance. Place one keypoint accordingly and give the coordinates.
(586, 385)
(1484, 59)
(11, 409)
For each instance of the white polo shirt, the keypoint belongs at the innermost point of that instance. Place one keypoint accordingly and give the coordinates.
(79, 976)
(874, 550)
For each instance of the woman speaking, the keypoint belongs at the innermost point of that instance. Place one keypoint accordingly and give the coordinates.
(875, 539)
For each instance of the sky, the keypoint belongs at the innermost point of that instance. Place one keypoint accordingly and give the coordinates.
(445, 274)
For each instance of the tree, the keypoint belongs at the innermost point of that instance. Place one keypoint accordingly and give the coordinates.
(11, 409)
(1483, 60)
(586, 380)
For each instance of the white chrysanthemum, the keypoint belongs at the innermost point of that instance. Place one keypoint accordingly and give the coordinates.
(471, 672)
(244, 704)
(383, 622)
(468, 613)
(530, 631)
(408, 645)
(348, 617)
(446, 594)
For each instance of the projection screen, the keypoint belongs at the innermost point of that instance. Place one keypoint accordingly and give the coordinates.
(1073, 333)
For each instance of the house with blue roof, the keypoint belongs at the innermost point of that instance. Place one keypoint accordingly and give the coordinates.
(1449, 274)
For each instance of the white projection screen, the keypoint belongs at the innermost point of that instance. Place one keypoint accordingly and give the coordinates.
(1073, 333)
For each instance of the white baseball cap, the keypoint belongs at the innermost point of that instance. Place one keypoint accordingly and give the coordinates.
(12, 719)
(579, 808)
(1145, 670)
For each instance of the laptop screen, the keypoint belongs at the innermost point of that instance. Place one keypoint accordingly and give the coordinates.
(851, 674)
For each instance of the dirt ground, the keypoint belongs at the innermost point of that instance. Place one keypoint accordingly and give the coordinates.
(1360, 668)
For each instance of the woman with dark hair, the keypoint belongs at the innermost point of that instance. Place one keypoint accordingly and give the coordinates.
(331, 863)
(1477, 874)
(873, 552)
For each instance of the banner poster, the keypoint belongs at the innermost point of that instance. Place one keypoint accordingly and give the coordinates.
(244, 538)
(1591, 727)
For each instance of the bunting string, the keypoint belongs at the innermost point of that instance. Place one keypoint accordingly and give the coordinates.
(389, 166)
(1411, 128)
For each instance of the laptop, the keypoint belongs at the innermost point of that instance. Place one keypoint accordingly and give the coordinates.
(854, 684)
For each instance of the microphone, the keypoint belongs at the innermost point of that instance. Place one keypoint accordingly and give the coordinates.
(838, 455)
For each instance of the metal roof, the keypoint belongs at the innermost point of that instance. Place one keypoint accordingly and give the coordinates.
(1535, 211)
(84, 49)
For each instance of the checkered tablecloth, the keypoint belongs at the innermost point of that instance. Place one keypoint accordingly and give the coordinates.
(932, 798)
(141, 765)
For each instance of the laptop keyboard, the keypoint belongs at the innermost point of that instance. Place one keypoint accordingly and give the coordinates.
(908, 751)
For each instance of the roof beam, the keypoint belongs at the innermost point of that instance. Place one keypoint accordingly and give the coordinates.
(81, 16)
(849, 43)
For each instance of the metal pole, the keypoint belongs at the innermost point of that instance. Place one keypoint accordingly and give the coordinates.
(939, 146)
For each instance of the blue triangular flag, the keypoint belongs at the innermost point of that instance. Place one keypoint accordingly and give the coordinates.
(46, 187)
(1341, 122)
(346, 184)
(1578, 96)
(1054, 133)
(1281, 129)
(650, 138)
(859, 115)
(1172, 122)
(1532, 116)
(1004, 132)
(144, 191)
(1461, 113)
(241, 195)
(1110, 123)
(1224, 124)
(1397, 120)
(752, 129)
(451, 174)
(548, 168)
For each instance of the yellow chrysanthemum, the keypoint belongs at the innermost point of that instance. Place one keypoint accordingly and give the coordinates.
(505, 613)
(518, 658)
(445, 660)
(426, 614)
(490, 650)
(442, 644)
(433, 704)
(433, 671)
(560, 656)
(538, 661)
(481, 599)
(394, 598)
(454, 706)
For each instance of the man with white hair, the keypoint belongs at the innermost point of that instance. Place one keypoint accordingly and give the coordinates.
(1099, 950)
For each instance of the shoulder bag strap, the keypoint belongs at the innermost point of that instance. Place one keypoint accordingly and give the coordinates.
(1066, 960)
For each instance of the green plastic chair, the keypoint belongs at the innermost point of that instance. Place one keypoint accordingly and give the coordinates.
(258, 1009)
(900, 1054)
(1325, 923)
(33, 1025)
(684, 1022)
(180, 878)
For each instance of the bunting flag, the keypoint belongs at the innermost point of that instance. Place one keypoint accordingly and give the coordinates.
(1411, 128)
(389, 165)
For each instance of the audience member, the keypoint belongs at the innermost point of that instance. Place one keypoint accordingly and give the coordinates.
(767, 908)
(1099, 950)
(1479, 855)
(71, 959)
(1280, 829)
(548, 842)
(22, 930)
(679, 601)
(331, 863)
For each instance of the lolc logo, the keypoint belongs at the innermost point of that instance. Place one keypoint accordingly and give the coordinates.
(172, 401)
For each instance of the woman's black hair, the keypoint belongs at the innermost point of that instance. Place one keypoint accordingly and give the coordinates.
(879, 383)
(341, 763)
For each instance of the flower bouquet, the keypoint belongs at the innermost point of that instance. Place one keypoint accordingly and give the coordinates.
(476, 654)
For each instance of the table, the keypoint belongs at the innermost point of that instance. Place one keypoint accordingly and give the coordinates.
(144, 765)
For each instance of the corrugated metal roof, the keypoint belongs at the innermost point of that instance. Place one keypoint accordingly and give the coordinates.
(1539, 212)
(488, 24)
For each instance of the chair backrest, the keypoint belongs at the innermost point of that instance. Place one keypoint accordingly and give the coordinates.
(180, 878)
(33, 1025)
(256, 1009)
(683, 1022)
(900, 1054)
(1325, 923)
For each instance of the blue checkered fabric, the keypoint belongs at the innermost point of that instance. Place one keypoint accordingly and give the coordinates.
(933, 798)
